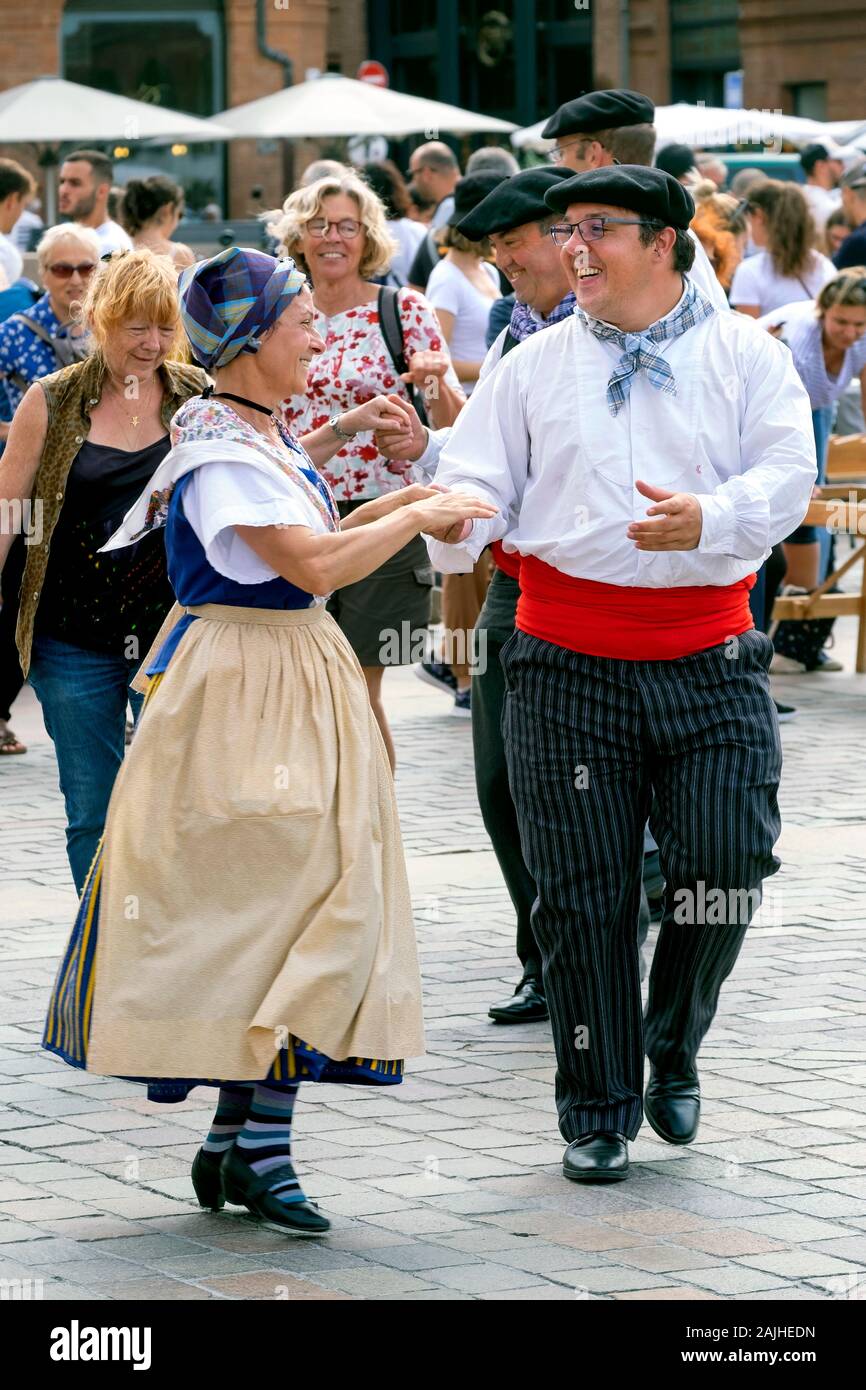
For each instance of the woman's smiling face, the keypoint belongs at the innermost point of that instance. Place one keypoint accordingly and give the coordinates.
(333, 254)
(287, 351)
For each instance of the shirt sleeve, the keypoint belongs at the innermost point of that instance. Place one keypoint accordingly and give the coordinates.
(443, 290)
(750, 513)
(486, 455)
(744, 286)
(222, 496)
(422, 331)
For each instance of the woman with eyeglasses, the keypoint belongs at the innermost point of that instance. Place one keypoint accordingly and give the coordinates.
(83, 443)
(337, 233)
(38, 340)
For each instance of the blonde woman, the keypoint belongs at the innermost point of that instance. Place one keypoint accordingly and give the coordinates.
(786, 266)
(83, 443)
(720, 225)
(337, 232)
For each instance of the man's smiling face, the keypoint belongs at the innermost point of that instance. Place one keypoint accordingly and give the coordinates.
(607, 274)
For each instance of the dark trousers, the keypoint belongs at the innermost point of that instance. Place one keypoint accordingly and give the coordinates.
(594, 746)
(11, 679)
(494, 627)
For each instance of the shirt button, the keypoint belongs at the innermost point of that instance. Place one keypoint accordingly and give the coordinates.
(60, 497)
(79, 439)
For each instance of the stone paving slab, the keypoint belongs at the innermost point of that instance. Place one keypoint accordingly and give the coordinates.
(450, 1186)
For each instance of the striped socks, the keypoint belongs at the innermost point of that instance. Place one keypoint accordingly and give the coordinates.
(231, 1112)
(265, 1141)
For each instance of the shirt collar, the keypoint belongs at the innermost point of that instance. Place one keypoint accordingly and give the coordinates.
(638, 331)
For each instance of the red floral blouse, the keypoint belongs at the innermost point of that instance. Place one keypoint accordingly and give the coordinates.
(355, 367)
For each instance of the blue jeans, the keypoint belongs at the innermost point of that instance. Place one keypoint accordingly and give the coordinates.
(83, 695)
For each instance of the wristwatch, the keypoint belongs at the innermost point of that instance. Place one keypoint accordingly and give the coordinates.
(334, 423)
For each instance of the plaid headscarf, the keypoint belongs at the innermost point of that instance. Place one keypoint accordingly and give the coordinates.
(638, 351)
(228, 301)
(523, 324)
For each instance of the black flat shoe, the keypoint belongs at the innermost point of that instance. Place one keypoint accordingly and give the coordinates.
(672, 1105)
(207, 1180)
(526, 1005)
(599, 1157)
(251, 1190)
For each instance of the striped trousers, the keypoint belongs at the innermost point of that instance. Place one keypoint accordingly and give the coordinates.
(594, 746)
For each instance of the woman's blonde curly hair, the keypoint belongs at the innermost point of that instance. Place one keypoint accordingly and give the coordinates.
(288, 224)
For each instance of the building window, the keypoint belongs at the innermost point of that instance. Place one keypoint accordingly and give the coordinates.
(169, 53)
(809, 99)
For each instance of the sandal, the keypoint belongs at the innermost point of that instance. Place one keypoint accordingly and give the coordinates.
(243, 1187)
(9, 744)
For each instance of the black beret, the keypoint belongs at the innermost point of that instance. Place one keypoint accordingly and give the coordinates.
(469, 192)
(600, 111)
(514, 201)
(650, 192)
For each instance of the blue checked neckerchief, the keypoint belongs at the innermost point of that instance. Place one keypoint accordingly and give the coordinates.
(523, 324)
(638, 350)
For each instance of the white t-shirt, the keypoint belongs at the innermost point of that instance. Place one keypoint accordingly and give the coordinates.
(757, 282)
(408, 235)
(822, 201)
(10, 259)
(222, 496)
(112, 237)
(449, 289)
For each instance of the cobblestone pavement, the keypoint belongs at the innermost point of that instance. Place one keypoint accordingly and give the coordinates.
(449, 1186)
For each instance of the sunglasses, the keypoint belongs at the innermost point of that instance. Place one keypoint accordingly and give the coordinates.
(64, 271)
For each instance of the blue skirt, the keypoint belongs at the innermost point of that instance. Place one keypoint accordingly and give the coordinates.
(67, 1026)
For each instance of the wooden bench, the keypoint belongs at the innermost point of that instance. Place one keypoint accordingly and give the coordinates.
(842, 509)
(846, 458)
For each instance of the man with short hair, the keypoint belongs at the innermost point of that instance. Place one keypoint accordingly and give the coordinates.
(823, 170)
(853, 248)
(16, 190)
(711, 166)
(637, 683)
(678, 161)
(85, 182)
(616, 126)
(434, 171)
(492, 159)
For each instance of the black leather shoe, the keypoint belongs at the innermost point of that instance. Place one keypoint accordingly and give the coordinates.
(599, 1157)
(672, 1105)
(526, 1005)
(207, 1180)
(251, 1190)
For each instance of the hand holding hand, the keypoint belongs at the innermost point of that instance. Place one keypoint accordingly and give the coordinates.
(403, 446)
(448, 517)
(389, 414)
(679, 525)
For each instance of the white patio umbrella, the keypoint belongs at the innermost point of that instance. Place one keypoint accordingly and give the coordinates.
(332, 105)
(707, 127)
(50, 111)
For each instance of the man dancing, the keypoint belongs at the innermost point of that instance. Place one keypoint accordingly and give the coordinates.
(635, 677)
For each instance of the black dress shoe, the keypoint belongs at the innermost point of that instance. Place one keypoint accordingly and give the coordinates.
(526, 1005)
(672, 1105)
(207, 1180)
(252, 1190)
(599, 1157)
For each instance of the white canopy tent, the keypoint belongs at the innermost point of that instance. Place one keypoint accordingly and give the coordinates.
(707, 127)
(337, 106)
(50, 111)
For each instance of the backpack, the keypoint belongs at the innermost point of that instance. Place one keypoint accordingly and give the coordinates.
(392, 331)
(66, 350)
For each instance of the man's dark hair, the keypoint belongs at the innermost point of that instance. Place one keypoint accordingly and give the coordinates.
(684, 246)
(103, 169)
(675, 160)
(810, 155)
(14, 179)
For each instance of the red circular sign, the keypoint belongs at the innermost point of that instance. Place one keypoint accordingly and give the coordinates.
(374, 73)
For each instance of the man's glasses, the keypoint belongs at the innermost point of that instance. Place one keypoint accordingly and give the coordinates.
(64, 271)
(557, 154)
(593, 228)
(347, 227)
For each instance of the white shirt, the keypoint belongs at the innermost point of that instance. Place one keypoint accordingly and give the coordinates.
(222, 496)
(449, 289)
(757, 282)
(408, 236)
(801, 332)
(112, 237)
(424, 468)
(537, 440)
(822, 202)
(10, 259)
(705, 277)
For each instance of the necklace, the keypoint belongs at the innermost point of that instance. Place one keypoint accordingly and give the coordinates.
(135, 419)
(209, 392)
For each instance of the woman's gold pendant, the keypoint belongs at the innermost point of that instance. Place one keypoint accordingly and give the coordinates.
(135, 422)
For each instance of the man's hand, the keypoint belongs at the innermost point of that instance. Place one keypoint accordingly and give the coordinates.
(403, 445)
(388, 414)
(679, 524)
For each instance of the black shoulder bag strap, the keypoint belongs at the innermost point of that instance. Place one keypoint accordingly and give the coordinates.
(392, 332)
